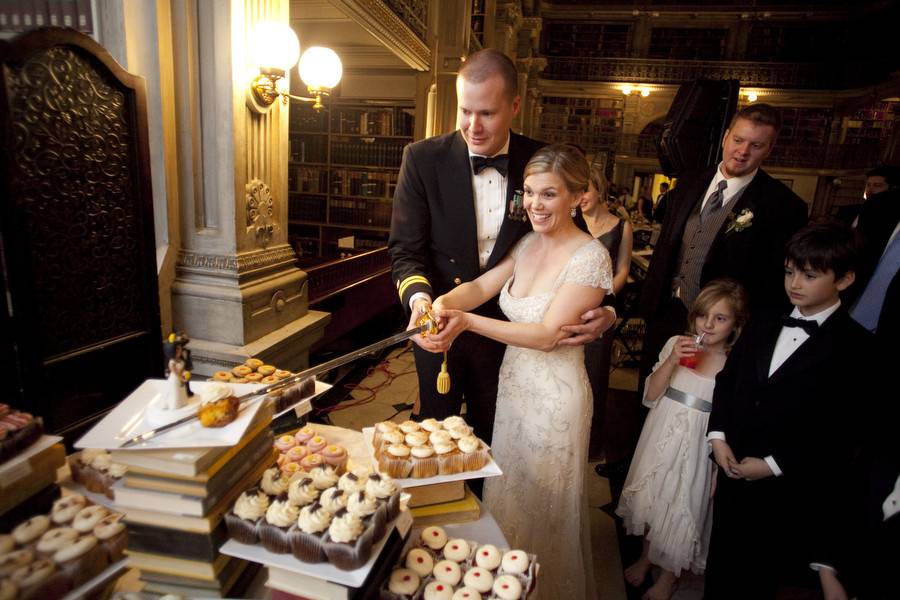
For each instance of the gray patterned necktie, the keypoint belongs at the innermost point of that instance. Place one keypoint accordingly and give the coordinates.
(714, 202)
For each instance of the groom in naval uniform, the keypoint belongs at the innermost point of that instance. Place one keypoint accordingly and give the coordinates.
(731, 220)
(455, 215)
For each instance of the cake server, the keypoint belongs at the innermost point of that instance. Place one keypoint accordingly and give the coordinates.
(425, 326)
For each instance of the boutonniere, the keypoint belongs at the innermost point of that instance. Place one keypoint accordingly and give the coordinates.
(740, 222)
(517, 207)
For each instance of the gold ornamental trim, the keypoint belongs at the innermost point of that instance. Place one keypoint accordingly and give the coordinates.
(376, 18)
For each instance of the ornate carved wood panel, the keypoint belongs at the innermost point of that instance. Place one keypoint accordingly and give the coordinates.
(77, 225)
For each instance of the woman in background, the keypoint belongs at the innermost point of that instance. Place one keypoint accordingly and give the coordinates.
(616, 235)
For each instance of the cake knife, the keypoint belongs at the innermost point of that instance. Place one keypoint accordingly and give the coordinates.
(425, 326)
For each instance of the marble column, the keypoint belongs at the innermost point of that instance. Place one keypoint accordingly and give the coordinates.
(237, 291)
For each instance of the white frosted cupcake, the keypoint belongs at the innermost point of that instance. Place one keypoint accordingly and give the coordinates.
(416, 438)
(434, 537)
(409, 426)
(454, 421)
(324, 476)
(457, 550)
(474, 453)
(424, 462)
(466, 593)
(372, 512)
(274, 483)
(449, 458)
(515, 561)
(348, 544)
(302, 491)
(394, 461)
(438, 590)
(403, 582)
(333, 499)
(273, 530)
(420, 561)
(430, 425)
(386, 491)
(381, 429)
(447, 571)
(507, 587)
(488, 557)
(307, 537)
(439, 437)
(479, 579)
(243, 519)
(353, 481)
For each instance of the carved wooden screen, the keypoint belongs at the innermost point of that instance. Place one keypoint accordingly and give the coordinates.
(77, 229)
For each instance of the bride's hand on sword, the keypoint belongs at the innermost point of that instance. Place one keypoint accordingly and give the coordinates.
(452, 323)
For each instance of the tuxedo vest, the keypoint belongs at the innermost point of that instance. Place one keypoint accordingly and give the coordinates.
(696, 241)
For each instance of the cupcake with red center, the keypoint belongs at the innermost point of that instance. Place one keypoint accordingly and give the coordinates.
(403, 582)
(420, 561)
(438, 590)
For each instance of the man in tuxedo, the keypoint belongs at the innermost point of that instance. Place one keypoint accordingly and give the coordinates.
(731, 220)
(785, 427)
(456, 213)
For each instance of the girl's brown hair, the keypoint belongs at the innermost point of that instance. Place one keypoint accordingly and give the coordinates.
(712, 292)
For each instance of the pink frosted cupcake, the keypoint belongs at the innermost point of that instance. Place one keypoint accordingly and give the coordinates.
(285, 443)
(336, 456)
(316, 444)
(311, 461)
(289, 469)
(305, 434)
(296, 454)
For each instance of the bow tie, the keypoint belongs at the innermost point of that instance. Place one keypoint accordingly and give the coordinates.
(809, 327)
(499, 162)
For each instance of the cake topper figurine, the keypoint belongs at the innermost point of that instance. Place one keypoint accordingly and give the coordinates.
(178, 365)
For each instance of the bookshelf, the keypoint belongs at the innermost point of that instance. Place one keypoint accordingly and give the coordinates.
(342, 171)
(587, 40)
(595, 124)
(477, 23)
(804, 136)
(683, 43)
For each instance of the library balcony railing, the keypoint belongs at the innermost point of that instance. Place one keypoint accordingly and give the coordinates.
(337, 276)
(750, 74)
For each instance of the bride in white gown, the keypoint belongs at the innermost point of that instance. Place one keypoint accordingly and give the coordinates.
(544, 406)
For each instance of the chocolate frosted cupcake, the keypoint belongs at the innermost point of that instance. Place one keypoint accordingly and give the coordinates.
(273, 530)
(372, 512)
(386, 491)
(348, 544)
(307, 537)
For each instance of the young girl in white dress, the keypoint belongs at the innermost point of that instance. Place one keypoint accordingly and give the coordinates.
(667, 493)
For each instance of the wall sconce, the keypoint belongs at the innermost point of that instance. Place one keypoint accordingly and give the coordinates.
(276, 50)
(751, 95)
(627, 90)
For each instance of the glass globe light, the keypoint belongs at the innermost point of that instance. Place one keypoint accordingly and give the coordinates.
(274, 46)
(320, 68)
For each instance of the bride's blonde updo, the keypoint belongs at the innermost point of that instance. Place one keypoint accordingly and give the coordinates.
(565, 161)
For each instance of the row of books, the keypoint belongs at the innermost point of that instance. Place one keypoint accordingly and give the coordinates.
(375, 212)
(23, 15)
(175, 503)
(310, 180)
(388, 122)
(348, 182)
(309, 148)
(367, 151)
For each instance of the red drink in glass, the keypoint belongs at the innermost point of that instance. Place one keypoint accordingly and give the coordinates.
(691, 362)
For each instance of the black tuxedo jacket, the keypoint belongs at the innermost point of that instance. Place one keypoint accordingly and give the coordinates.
(753, 256)
(433, 242)
(802, 413)
(877, 220)
(812, 416)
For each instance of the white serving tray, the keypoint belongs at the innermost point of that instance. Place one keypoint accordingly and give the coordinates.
(355, 578)
(128, 419)
(491, 469)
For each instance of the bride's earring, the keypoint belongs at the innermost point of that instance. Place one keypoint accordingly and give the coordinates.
(573, 212)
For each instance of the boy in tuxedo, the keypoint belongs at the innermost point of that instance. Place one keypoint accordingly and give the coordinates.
(784, 426)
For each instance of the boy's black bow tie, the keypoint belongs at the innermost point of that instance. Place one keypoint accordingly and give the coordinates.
(499, 162)
(809, 327)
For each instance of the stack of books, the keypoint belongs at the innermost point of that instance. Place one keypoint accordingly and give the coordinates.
(175, 502)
